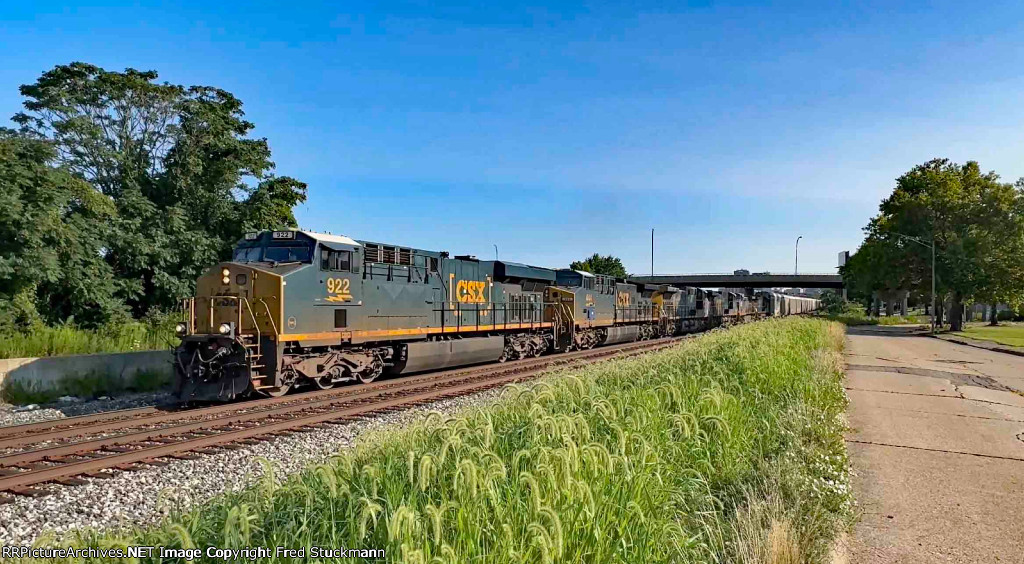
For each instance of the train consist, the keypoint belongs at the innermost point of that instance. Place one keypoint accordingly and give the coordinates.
(296, 308)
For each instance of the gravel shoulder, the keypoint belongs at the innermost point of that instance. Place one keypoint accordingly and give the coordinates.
(142, 497)
(11, 415)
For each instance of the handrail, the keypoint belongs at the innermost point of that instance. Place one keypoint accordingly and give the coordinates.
(270, 316)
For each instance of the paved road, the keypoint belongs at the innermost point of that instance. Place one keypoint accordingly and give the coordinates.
(937, 445)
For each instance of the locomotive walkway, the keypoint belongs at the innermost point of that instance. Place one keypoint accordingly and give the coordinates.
(937, 447)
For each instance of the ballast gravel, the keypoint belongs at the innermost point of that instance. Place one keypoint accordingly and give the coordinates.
(140, 498)
(72, 407)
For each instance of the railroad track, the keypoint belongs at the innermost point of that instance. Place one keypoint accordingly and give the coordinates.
(65, 451)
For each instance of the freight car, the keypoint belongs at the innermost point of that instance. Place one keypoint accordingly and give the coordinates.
(297, 308)
(778, 304)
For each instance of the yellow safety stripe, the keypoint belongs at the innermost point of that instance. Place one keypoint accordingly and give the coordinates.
(409, 331)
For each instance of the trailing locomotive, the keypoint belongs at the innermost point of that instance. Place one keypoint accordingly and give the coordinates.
(297, 308)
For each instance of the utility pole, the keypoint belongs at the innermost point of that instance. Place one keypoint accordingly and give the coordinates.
(796, 264)
(652, 251)
(495, 251)
(934, 317)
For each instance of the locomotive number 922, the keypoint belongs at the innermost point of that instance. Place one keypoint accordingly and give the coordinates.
(297, 308)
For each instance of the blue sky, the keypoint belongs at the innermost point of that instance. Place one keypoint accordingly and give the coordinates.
(559, 130)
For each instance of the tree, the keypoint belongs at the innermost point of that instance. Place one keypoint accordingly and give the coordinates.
(975, 222)
(51, 241)
(597, 264)
(833, 303)
(875, 269)
(183, 177)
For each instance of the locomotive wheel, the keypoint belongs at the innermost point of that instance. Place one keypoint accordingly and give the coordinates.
(324, 382)
(276, 392)
(367, 377)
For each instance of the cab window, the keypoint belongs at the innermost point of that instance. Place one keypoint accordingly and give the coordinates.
(287, 253)
(247, 254)
(335, 260)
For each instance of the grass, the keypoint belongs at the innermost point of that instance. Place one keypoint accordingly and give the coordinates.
(727, 448)
(1005, 334)
(53, 341)
(857, 316)
(84, 386)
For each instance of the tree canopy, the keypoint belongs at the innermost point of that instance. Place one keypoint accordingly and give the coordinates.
(975, 221)
(152, 183)
(597, 264)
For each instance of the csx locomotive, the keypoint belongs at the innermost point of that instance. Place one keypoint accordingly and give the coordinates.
(297, 308)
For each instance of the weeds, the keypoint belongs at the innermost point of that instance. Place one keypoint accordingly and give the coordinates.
(42, 340)
(727, 448)
(857, 316)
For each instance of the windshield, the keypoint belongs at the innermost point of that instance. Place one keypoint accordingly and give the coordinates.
(247, 254)
(290, 253)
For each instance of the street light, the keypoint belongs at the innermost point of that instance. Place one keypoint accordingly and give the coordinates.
(932, 247)
(796, 265)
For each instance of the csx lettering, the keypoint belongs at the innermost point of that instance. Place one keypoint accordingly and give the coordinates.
(622, 299)
(470, 292)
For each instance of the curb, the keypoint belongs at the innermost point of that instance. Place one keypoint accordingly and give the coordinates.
(975, 344)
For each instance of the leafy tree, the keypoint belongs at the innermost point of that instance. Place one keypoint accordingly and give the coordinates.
(177, 165)
(597, 264)
(976, 224)
(51, 243)
(833, 303)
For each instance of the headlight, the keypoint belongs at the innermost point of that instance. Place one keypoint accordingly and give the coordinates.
(225, 276)
(224, 329)
(180, 329)
(225, 272)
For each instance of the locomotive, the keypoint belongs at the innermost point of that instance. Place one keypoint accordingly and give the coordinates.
(298, 308)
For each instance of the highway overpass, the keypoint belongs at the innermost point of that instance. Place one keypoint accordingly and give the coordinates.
(756, 280)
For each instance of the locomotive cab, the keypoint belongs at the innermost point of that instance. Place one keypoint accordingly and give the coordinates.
(230, 328)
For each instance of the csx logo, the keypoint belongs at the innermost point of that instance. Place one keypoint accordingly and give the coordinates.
(470, 292)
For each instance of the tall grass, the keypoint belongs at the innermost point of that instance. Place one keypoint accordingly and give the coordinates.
(857, 316)
(725, 449)
(42, 340)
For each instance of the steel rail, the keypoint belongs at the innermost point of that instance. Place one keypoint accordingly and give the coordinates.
(43, 431)
(29, 468)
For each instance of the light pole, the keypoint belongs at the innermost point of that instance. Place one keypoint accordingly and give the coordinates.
(932, 247)
(652, 251)
(495, 251)
(796, 264)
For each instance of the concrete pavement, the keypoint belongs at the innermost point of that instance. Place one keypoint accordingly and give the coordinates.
(937, 447)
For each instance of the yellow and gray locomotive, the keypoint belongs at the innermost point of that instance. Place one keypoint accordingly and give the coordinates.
(297, 308)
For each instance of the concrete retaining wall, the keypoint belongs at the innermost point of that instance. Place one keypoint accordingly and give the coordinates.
(48, 372)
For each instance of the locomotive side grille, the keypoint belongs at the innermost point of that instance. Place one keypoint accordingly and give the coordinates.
(373, 253)
(387, 255)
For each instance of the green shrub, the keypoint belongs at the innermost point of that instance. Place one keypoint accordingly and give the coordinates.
(723, 449)
(1006, 315)
(832, 303)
